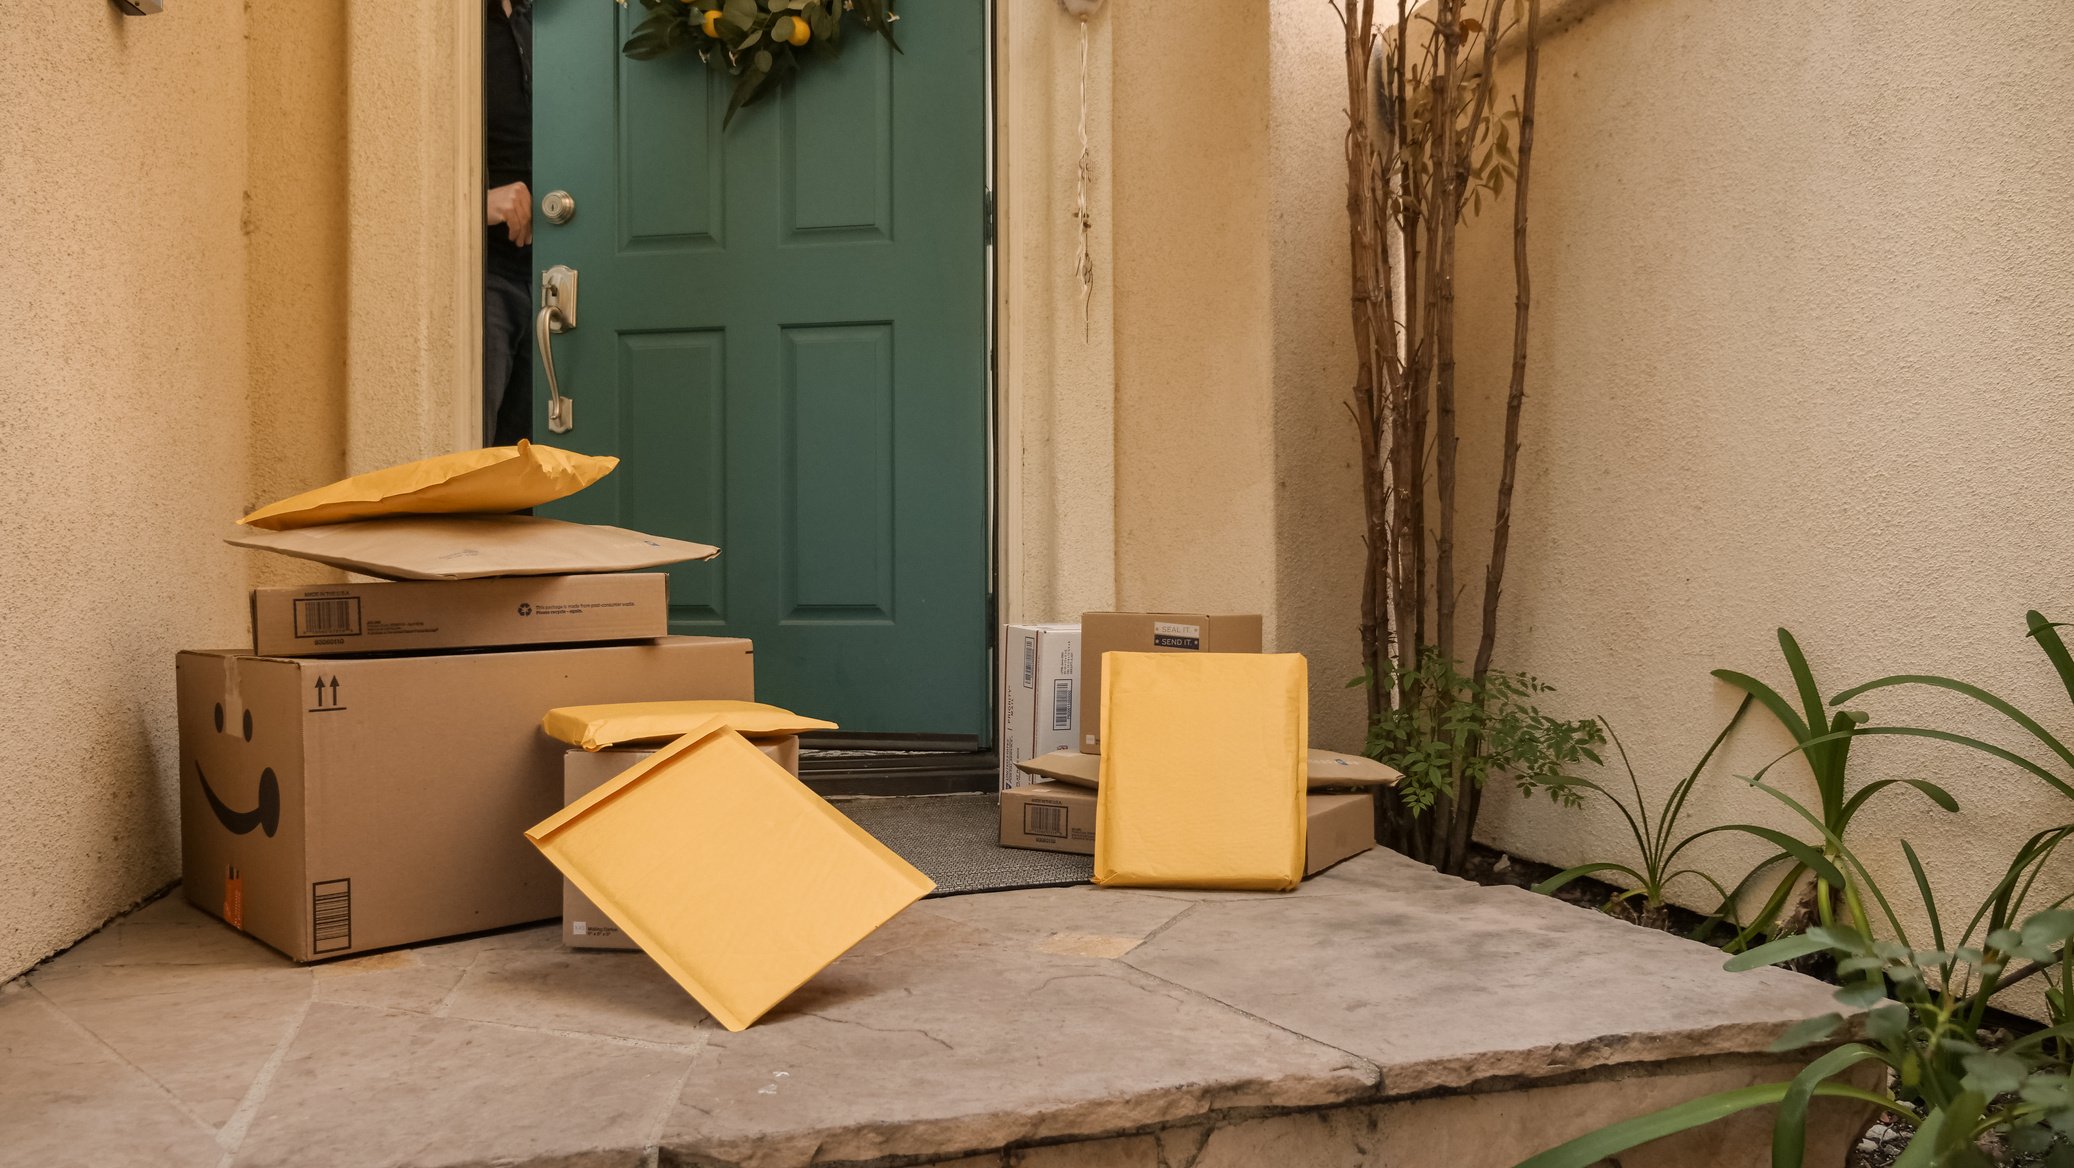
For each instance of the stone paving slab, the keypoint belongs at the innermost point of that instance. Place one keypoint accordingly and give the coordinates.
(1504, 984)
(1006, 1028)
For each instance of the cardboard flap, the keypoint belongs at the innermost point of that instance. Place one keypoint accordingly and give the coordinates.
(1324, 769)
(738, 880)
(467, 547)
(597, 727)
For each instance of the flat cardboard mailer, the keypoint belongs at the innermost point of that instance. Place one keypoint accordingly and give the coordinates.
(469, 547)
(584, 924)
(1324, 770)
(332, 806)
(738, 880)
(1040, 699)
(1060, 817)
(1152, 632)
(332, 620)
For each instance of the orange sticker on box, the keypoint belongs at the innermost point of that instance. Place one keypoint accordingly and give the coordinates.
(234, 899)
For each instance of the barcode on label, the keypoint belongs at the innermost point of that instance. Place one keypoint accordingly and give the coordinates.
(331, 916)
(328, 617)
(1062, 703)
(1044, 819)
(1030, 662)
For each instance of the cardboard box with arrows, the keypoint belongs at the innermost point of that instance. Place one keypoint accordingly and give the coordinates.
(330, 806)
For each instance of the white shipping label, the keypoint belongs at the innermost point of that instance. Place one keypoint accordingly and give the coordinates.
(1173, 635)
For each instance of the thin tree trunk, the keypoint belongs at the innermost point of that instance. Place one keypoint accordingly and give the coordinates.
(1516, 394)
(1363, 244)
(1444, 211)
(1515, 397)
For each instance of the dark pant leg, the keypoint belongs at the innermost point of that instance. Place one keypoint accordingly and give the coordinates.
(507, 399)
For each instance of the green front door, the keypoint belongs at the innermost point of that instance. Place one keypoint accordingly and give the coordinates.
(781, 332)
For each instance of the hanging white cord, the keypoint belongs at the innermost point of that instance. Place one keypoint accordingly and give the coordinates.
(1084, 259)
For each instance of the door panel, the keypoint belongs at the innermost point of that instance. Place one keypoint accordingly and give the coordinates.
(781, 333)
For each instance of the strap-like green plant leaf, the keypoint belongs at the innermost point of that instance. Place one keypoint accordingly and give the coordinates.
(1790, 1129)
(1915, 865)
(1810, 856)
(1922, 1147)
(1807, 1032)
(1997, 704)
(1588, 1150)
(1774, 952)
(2046, 633)
(1569, 874)
(1930, 790)
(1768, 698)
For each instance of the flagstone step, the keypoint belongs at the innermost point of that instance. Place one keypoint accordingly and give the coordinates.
(1382, 1015)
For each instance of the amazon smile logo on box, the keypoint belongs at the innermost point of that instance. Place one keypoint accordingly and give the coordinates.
(266, 815)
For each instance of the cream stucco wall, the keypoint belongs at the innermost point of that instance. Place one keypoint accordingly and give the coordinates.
(1188, 449)
(190, 192)
(123, 146)
(1804, 291)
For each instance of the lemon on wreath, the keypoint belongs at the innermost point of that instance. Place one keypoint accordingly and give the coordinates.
(711, 23)
(792, 30)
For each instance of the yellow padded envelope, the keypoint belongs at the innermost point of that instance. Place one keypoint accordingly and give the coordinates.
(495, 479)
(597, 727)
(1203, 770)
(725, 869)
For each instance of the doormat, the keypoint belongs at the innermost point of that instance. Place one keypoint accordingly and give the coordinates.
(955, 841)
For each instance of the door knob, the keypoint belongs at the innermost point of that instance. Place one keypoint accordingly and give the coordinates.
(557, 315)
(558, 207)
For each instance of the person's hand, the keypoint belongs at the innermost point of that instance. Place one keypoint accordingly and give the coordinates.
(512, 205)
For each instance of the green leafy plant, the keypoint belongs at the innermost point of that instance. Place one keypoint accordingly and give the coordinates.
(1825, 741)
(1456, 734)
(1658, 846)
(1925, 1009)
(760, 43)
(2043, 631)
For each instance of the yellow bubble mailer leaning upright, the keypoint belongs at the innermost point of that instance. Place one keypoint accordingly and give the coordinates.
(1203, 770)
(494, 480)
(739, 881)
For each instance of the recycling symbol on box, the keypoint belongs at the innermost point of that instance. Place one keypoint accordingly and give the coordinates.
(525, 609)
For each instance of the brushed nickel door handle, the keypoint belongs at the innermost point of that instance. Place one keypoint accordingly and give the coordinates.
(557, 315)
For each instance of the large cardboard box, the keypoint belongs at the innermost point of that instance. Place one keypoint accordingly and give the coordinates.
(584, 924)
(1151, 632)
(334, 806)
(413, 616)
(1060, 817)
(1040, 707)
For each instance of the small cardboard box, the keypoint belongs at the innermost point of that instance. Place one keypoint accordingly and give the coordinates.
(1040, 706)
(334, 806)
(414, 616)
(1151, 632)
(1049, 817)
(584, 924)
(1060, 817)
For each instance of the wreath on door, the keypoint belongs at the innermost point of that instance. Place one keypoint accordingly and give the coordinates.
(760, 43)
